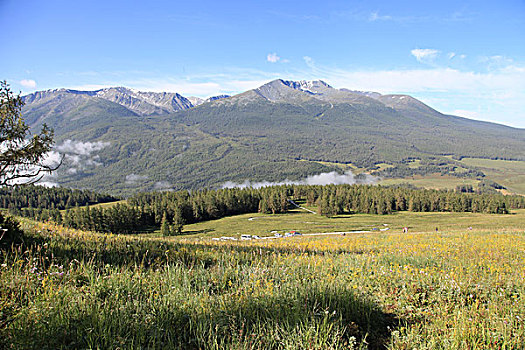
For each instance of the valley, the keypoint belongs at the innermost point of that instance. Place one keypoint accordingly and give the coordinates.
(262, 175)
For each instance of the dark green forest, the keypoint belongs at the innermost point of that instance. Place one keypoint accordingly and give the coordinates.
(172, 210)
(43, 203)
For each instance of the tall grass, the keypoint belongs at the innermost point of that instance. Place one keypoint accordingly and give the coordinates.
(73, 289)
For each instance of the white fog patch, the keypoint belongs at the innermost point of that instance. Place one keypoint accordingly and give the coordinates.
(52, 159)
(81, 148)
(79, 155)
(133, 179)
(162, 186)
(92, 161)
(47, 184)
(332, 178)
(335, 178)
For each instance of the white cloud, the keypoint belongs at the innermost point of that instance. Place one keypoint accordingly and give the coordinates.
(423, 55)
(497, 59)
(498, 95)
(47, 184)
(374, 16)
(77, 154)
(497, 62)
(272, 57)
(73, 159)
(320, 179)
(452, 55)
(81, 148)
(28, 83)
(425, 80)
(52, 159)
(162, 186)
(309, 62)
(133, 179)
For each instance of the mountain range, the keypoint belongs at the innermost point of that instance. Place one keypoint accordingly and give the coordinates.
(121, 140)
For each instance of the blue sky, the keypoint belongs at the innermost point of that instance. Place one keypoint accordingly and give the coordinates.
(460, 57)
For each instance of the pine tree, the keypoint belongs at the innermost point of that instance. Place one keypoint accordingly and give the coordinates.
(164, 226)
(178, 221)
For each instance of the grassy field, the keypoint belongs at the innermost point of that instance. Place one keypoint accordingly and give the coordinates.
(304, 222)
(510, 174)
(452, 289)
(431, 181)
(107, 205)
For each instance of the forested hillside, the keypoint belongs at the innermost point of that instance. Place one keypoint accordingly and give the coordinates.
(282, 130)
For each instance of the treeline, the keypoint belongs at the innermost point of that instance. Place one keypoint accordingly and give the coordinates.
(171, 210)
(338, 199)
(45, 203)
(31, 196)
(403, 171)
(119, 218)
(484, 186)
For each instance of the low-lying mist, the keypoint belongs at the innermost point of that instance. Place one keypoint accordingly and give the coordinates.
(332, 178)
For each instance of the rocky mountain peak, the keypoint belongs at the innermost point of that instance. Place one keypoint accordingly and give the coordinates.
(145, 103)
(314, 86)
(215, 98)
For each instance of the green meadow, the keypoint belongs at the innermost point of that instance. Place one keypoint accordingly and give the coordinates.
(457, 288)
(304, 222)
(508, 173)
(442, 182)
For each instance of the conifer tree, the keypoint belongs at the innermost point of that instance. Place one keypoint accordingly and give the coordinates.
(178, 221)
(165, 226)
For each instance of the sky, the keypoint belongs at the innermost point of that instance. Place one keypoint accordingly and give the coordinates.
(464, 58)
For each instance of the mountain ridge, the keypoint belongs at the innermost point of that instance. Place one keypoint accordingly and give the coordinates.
(283, 129)
(160, 103)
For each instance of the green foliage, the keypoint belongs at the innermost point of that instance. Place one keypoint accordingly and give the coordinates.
(21, 156)
(333, 200)
(172, 210)
(119, 218)
(165, 229)
(10, 232)
(44, 203)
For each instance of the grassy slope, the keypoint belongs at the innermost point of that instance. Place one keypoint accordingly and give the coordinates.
(456, 289)
(510, 174)
(303, 222)
(431, 181)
